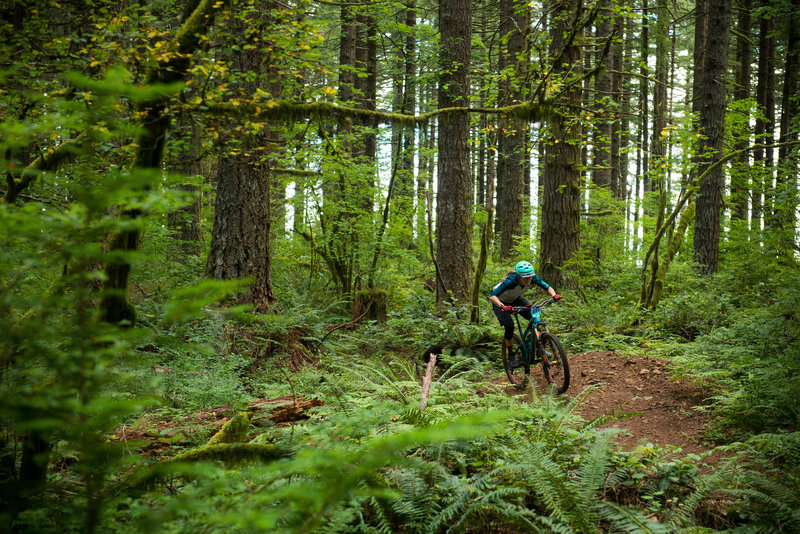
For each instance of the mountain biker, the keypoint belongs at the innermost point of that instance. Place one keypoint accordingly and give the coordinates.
(508, 293)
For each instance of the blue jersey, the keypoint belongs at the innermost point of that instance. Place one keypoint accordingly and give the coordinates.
(510, 288)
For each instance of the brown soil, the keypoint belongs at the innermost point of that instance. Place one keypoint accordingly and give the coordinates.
(663, 411)
(637, 394)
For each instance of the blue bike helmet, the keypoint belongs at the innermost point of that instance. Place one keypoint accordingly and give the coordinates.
(524, 268)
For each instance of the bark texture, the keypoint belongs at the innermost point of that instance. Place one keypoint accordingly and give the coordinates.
(712, 128)
(454, 200)
(511, 135)
(561, 185)
(786, 184)
(241, 233)
(765, 122)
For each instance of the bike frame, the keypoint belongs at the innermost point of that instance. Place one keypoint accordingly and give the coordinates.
(533, 326)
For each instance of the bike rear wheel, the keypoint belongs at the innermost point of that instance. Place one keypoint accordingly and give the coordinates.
(554, 363)
(517, 375)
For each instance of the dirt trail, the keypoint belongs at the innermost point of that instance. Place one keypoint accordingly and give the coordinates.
(660, 410)
(642, 385)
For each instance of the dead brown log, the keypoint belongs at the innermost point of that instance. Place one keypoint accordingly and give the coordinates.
(288, 409)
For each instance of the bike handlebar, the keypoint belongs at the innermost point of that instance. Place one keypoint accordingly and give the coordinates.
(518, 309)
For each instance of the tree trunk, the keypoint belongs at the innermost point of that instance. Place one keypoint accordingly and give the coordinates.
(642, 153)
(618, 139)
(740, 172)
(786, 183)
(185, 222)
(764, 127)
(511, 134)
(366, 86)
(655, 204)
(658, 160)
(699, 55)
(403, 135)
(155, 119)
(240, 239)
(601, 176)
(712, 128)
(561, 187)
(454, 199)
(644, 88)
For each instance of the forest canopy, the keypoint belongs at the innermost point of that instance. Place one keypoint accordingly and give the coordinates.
(213, 206)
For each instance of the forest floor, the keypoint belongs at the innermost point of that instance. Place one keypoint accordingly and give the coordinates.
(636, 394)
(639, 395)
(665, 410)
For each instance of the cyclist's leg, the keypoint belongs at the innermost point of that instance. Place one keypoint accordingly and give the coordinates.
(505, 320)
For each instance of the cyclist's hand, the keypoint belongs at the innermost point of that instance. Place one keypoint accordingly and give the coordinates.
(508, 308)
(556, 297)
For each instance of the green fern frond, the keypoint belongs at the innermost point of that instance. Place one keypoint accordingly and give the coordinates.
(458, 364)
(771, 502)
(373, 378)
(383, 525)
(780, 447)
(592, 472)
(552, 485)
(682, 515)
(627, 519)
(549, 525)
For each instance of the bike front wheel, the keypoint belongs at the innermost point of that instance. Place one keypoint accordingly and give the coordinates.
(517, 369)
(554, 363)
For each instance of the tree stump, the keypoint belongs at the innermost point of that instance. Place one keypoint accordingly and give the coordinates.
(370, 304)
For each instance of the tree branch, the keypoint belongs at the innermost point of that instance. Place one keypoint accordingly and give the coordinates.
(48, 161)
(286, 111)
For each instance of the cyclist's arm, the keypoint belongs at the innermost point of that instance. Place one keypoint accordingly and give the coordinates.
(544, 285)
(496, 301)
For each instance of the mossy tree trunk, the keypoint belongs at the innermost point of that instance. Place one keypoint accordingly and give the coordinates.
(673, 246)
(198, 18)
(370, 305)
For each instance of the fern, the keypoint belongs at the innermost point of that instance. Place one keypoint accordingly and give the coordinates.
(549, 482)
(774, 505)
(778, 447)
(627, 519)
(487, 502)
(373, 379)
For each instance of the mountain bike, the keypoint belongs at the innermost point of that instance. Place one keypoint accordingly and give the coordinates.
(533, 346)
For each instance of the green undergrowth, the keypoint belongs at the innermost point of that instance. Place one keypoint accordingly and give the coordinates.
(367, 459)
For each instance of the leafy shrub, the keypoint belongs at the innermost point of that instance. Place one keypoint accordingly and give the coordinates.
(754, 358)
(689, 315)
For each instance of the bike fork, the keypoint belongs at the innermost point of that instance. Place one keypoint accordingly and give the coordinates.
(543, 352)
